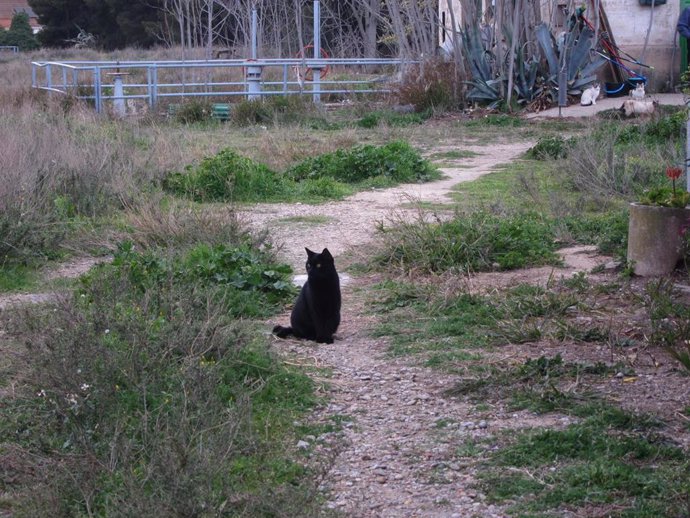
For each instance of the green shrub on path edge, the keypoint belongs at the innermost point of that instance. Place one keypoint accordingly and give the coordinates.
(228, 176)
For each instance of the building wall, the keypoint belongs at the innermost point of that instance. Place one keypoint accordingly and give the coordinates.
(629, 23)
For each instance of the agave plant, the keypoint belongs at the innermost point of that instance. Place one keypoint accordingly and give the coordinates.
(574, 53)
(487, 84)
(485, 87)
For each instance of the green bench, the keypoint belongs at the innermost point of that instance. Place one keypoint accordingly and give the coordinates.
(220, 111)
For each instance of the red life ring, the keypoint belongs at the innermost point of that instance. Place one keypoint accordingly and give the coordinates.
(309, 72)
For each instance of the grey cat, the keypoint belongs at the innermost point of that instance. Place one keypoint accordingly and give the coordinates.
(316, 314)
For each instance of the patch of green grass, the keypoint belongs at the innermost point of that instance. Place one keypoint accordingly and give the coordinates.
(455, 154)
(391, 118)
(475, 241)
(609, 458)
(497, 120)
(307, 220)
(389, 164)
(499, 187)
(242, 278)
(16, 277)
(608, 231)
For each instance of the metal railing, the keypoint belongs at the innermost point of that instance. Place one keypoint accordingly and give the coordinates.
(152, 81)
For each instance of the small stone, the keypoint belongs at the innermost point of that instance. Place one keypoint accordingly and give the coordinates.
(468, 424)
(302, 445)
(612, 265)
(483, 424)
(619, 375)
(381, 479)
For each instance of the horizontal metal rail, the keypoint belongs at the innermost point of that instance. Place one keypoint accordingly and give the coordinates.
(10, 48)
(119, 81)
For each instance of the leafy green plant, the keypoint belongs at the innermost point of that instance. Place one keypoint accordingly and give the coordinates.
(665, 197)
(227, 176)
(548, 148)
(394, 162)
(243, 278)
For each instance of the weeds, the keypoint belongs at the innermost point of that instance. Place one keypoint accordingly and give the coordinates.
(146, 394)
(229, 176)
(429, 86)
(602, 461)
(392, 118)
(669, 317)
(393, 163)
(548, 148)
(476, 241)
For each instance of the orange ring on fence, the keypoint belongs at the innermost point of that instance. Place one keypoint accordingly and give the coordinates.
(309, 73)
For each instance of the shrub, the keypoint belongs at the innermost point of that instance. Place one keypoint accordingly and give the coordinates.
(20, 33)
(241, 277)
(193, 111)
(477, 241)
(604, 164)
(227, 176)
(548, 148)
(429, 86)
(246, 113)
(143, 396)
(395, 162)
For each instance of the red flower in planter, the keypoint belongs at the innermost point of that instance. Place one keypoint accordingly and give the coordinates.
(673, 172)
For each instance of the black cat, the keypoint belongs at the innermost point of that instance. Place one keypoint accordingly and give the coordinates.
(316, 314)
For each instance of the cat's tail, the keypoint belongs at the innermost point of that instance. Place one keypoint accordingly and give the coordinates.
(282, 332)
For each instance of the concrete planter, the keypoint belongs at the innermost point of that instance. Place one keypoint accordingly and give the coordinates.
(655, 238)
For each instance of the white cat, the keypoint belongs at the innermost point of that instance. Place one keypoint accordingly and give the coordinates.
(589, 96)
(638, 92)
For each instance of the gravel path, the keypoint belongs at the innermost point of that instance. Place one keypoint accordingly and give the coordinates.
(398, 455)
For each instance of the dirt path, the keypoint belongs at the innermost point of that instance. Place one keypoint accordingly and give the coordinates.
(398, 455)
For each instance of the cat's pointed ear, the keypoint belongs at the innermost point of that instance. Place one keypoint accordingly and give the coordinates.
(309, 252)
(326, 253)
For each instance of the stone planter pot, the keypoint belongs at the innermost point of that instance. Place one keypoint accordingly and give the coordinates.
(655, 238)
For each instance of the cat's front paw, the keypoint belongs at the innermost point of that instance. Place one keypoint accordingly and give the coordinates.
(328, 340)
